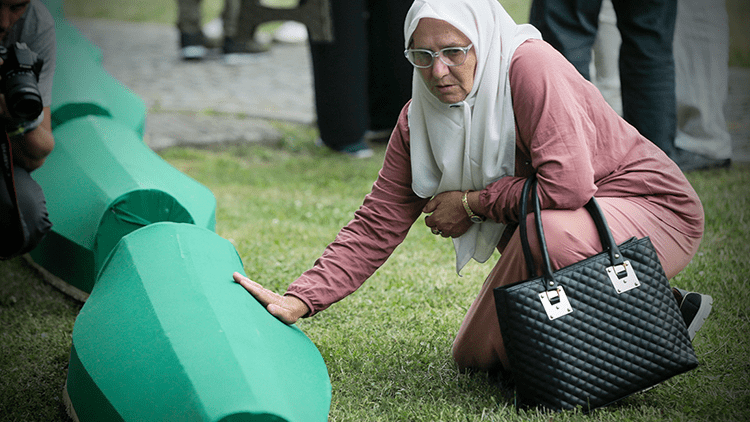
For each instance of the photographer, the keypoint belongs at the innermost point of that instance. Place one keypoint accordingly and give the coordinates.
(27, 34)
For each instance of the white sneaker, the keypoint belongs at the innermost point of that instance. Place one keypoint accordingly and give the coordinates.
(192, 46)
(290, 32)
(193, 52)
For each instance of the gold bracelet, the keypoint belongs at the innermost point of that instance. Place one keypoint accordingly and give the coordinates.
(473, 217)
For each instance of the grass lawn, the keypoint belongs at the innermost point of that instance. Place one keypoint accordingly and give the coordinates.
(387, 346)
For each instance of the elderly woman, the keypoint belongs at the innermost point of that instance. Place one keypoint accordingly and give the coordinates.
(492, 104)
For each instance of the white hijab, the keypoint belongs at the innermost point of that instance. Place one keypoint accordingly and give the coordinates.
(470, 144)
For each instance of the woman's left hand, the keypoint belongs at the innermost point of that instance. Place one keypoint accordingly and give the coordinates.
(288, 309)
(447, 218)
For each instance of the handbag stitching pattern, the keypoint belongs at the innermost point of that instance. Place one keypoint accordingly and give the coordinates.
(612, 344)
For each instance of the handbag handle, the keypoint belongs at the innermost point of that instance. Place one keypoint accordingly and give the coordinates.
(605, 235)
(522, 213)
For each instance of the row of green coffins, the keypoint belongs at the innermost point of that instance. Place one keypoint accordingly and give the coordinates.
(165, 333)
(102, 180)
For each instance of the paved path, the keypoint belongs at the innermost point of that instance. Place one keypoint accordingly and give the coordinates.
(210, 101)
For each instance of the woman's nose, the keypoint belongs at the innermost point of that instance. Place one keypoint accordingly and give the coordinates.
(439, 69)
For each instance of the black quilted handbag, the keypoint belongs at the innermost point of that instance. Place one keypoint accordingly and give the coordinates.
(593, 332)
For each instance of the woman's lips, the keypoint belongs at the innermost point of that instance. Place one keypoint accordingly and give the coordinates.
(444, 88)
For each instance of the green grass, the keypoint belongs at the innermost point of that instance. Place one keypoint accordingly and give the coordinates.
(387, 346)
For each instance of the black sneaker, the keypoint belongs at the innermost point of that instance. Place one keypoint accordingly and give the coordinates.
(689, 161)
(241, 52)
(192, 46)
(695, 308)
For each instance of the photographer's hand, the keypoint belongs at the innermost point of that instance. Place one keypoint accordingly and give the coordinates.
(288, 309)
(31, 148)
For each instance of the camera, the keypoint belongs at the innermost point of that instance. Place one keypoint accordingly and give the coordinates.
(20, 76)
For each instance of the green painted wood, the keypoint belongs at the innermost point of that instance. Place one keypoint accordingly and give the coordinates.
(167, 335)
(101, 182)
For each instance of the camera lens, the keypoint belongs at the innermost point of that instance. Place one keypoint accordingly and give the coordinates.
(20, 73)
(27, 106)
(23, 97)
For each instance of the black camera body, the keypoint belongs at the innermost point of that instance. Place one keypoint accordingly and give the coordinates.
(20, 77)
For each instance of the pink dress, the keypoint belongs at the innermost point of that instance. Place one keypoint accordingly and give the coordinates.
(579, 148)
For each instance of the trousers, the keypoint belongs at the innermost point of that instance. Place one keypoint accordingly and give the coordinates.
(646, 60)
(571, 236)
(33, 208)
(361, 79)
(189, 16)
(701, 54)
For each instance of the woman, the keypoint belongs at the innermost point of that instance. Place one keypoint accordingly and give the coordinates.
(492, 106)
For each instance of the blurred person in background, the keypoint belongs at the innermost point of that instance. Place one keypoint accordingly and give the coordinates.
(26, 28)
(193, 41)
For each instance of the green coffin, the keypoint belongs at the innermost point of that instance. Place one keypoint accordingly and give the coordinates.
(55, 7)
(82, 87)
(101, 182)
(167, 335)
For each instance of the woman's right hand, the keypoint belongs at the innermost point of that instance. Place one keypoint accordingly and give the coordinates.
(288, 309)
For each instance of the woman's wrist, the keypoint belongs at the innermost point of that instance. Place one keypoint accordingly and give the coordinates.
(297, 306)
(475, 203)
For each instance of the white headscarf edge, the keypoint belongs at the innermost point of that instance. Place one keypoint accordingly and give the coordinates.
(471, 144)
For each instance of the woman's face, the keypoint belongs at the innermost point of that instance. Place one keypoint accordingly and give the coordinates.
(450, 84)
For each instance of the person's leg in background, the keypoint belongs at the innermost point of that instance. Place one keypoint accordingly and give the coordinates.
(570, 26)
(605, 71)
(340, 80)
(646, 61)
(701, 52)
(192, 40)
(390, 74)
(239, 44)
(33, 211)
(647, 72)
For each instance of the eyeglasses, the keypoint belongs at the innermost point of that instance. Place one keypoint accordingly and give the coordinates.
(451, 56)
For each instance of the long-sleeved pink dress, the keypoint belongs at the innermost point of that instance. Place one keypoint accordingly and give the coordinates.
(579, 148)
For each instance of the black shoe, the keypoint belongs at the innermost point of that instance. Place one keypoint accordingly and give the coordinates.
(689, 161)
(694, 307)
(192, 46)
(239, 52)
(380, 136)
(358, 149)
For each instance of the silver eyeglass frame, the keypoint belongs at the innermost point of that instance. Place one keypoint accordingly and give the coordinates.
(438, 54)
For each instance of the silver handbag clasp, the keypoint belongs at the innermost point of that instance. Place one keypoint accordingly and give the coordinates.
(623, 277)
(555, 303)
